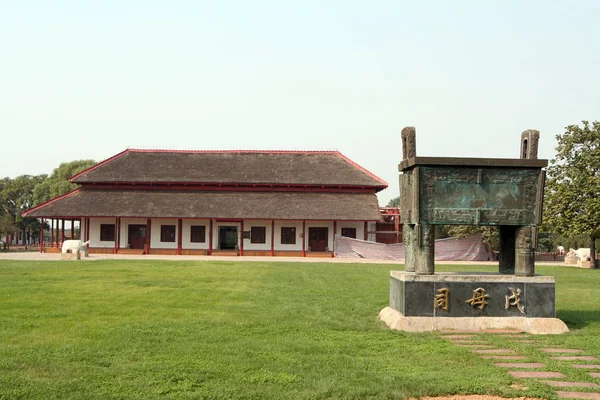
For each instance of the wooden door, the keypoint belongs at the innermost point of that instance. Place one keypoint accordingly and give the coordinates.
(137, 236)
(317, 239)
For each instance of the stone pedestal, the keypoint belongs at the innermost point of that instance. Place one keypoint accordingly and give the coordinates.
(70, 256)
(472, 301)
(571, 260)
(585, 264)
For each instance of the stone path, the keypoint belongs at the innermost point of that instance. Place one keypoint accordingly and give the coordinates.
(529, 369)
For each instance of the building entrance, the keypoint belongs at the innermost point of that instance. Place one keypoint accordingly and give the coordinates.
(228, 237)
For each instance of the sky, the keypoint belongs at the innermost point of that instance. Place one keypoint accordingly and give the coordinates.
(86, 80)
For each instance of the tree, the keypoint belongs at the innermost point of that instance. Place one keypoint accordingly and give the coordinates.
(573, 185)
(7, 227)
(58, 183)
(16, 196)
(395, 202)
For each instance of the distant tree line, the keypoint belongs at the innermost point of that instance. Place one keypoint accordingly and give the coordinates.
(19, 194)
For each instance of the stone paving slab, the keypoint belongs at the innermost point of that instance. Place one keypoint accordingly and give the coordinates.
(572, 384)
(504, 357)
(524, 341)
(536, 374)
(595, 374)
(458, 337)
(458, 331)
(504, 331)
(493, 351)
(520, 365)
(575, 358)
(467, 341)
(553, 350)
(475, 346)
(586, 366)
(578, 395)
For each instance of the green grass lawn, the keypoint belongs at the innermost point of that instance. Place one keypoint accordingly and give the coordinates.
(198, 329)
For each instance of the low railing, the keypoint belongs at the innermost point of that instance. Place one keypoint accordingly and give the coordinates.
(539, 256)
(21, 247)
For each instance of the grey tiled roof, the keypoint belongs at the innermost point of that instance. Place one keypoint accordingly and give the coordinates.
(88, 202)
(328, 168)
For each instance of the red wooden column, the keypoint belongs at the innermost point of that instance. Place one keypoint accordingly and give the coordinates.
(63, 232)
(272, 237)
(210, 237)
(118, 236)
(242, 239)
(72, 228)
(366, 230)
(115, 235)
(57, 226)
(42, 236)
(52, 232)
(148, 235)
(179, 233)
(303, 239)
(87, 230)
(334, 233)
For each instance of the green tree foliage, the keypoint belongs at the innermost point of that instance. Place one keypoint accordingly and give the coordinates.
(395, 202)
(7, 227)
(573, 186)
(26, 191)
(16, 196)
(58, 183)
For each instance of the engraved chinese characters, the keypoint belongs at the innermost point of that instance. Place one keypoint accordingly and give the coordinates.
(516, 300)
(442, 299)
(480, 299)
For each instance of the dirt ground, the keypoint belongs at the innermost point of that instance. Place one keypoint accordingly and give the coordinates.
(474, 397)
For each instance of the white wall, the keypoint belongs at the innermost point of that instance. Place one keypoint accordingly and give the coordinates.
(372, 226)
(186, 233)
(288, 247)
(95, 232)
(248, 224)
(125, 222)
(155, 242)
(216, 226)
(358, 225)
(258, 246)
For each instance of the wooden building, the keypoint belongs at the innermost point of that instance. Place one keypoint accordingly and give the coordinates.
(278, 203)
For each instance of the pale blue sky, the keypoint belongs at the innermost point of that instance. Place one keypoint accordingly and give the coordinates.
(88, 79)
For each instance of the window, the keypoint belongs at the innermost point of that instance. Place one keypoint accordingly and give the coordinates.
(167, 233)
(349, 232)
(198, 234)
(288, 235)
(258, 234)
(107, 232)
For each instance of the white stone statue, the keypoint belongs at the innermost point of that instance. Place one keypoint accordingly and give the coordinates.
(75, 246)
(560, 249)
(583, 253)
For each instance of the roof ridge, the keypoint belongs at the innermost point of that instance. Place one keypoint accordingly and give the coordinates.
(138, 150)
(101, 163)
(363, 169)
